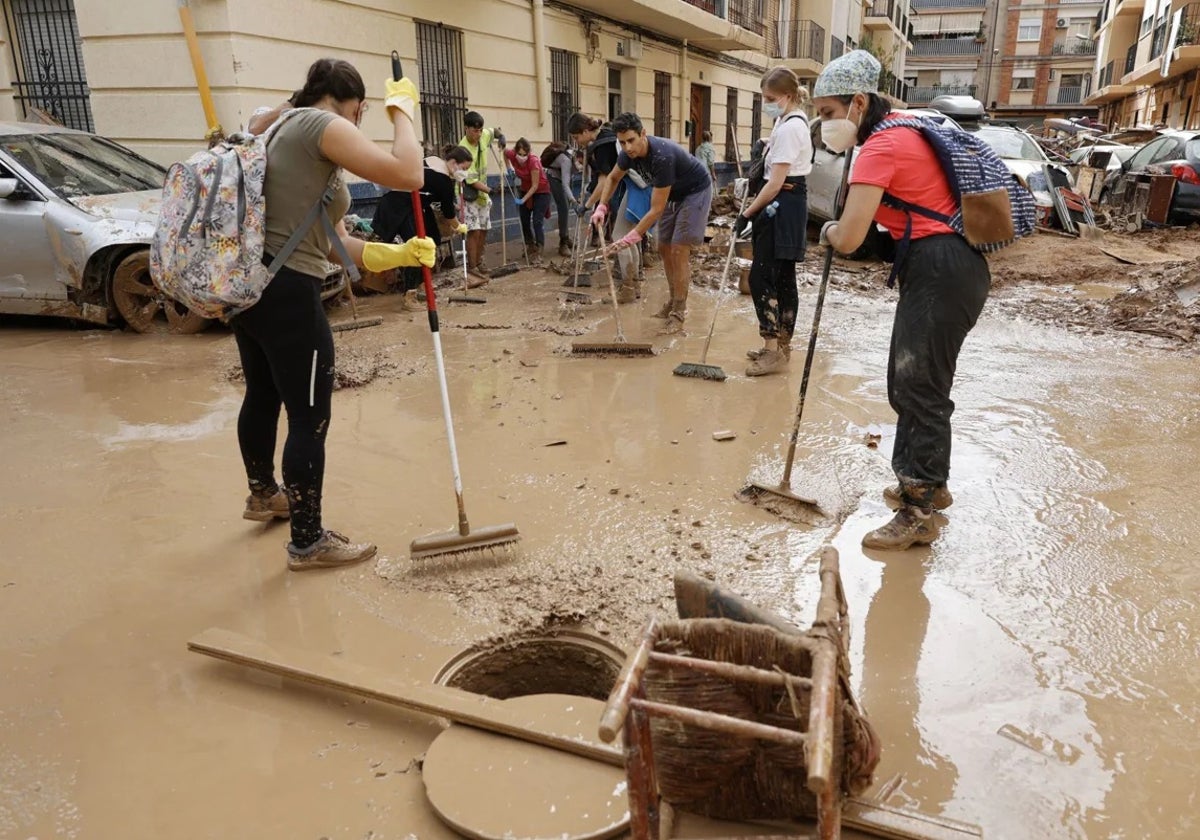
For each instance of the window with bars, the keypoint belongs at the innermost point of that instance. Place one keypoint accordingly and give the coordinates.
(731, 114)
(443, 87)
(756, 119)
(662, 104)
(564, 90)
(44, 36)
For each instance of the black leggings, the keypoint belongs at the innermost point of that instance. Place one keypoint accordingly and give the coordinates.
(943, 286)
(286, 348)
(533, 219)
(772, 284)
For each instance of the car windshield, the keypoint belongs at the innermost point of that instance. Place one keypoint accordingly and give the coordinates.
(78, 165)
(1011, 145)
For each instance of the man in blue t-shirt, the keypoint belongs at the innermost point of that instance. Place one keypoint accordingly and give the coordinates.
(679, 204)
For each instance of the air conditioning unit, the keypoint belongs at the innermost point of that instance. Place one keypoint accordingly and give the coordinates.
(1061, 23)
(630, 48)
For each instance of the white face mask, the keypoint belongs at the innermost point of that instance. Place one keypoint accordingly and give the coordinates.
(839, 135)
(773, 110)
(522, 158)
(460, 174)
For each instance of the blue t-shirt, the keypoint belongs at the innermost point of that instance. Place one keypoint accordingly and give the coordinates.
(667, 164)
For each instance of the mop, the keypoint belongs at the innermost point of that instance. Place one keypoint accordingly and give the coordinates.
(463, 540)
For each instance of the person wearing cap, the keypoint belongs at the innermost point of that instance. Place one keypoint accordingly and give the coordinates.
(944, 283)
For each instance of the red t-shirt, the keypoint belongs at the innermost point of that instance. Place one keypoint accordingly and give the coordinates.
(525, 171)
(902, 162)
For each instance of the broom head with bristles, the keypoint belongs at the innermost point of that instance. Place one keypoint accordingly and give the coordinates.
(613, 348)
(491, 538)
(699, 371)
(356, 324)
(758, 493)
(505, 270)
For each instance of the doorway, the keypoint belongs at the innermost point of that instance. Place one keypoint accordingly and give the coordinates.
(698, 114)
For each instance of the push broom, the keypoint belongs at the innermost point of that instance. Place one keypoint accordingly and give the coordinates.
(700, 370)
(620, 346)
(755, 492)
(508, 267)
(464, 540)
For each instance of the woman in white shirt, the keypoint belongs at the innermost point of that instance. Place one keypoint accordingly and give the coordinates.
(780, 215)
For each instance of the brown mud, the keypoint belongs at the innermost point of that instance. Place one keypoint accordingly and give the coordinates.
(1032, 672)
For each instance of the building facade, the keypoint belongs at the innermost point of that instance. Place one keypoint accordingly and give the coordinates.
(1047, 57)
(123, 69)
(948, 40)
(1148, 64)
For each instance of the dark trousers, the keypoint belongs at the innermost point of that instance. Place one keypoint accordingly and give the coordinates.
(943, 286)
(286, 348)
(533, 218)
(772, 284)
(559, 192)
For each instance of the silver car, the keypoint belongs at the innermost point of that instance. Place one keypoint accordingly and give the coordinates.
(77, 213)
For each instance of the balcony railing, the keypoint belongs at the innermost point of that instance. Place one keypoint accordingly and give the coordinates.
(1130, 58)
(1189, 26)
(1072, 95)
(924, 94)
(709, 6)
(836, 47)
(748, 14)
(921, 5)
(1076, 46)
(799, 39)
(946, 46)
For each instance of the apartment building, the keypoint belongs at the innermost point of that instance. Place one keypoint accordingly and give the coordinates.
(123, 69)
(1046, 61)
(1146, 64)
(948, 40)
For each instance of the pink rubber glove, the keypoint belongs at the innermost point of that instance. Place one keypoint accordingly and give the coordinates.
(599, 215)
(627, 241)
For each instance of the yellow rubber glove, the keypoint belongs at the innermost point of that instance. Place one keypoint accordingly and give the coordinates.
(461, 230)
(401, 94)
(380, 256)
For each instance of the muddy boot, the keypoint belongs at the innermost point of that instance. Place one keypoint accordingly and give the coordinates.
(629, 291)
(910, 526)
(265, 507)
(565, 246)
(535, 254)
(675, 318)
(331, 550)
(941, 499)
(665, 311)
(410, 303)
(770, 361)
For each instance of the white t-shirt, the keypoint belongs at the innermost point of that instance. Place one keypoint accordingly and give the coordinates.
(790, 143)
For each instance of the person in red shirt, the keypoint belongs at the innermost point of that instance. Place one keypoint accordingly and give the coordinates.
(534, 198)
(944, 283)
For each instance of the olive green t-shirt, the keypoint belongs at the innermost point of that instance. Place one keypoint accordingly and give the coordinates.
(297, 174)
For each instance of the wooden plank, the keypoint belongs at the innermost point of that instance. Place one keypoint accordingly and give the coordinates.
(437, 700)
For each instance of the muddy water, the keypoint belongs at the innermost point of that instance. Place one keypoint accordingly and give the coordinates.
(1034, 672)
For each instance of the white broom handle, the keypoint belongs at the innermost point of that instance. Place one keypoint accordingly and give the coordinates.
(441, 370)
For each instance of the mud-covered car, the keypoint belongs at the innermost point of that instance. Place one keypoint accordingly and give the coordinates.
(1028, 161)
(1175, 153)
(77, 213)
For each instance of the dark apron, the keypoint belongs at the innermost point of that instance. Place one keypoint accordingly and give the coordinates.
(790, 220)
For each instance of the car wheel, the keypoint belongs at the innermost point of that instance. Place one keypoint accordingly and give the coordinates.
(143, 307)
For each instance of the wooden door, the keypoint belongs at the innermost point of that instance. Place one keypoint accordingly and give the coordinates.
(698, 114)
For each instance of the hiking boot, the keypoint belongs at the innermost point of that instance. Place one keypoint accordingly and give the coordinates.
(535, 254)
(628, 292)
(265, 508)
(331, 550)
(564, 248)
(769, 361)
(910, 526)
(940, 501)
(410, 303)
(665, 311)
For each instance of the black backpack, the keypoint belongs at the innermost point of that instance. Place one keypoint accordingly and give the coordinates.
(551, 153)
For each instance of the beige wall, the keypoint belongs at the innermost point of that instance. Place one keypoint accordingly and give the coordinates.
(256, 53)
(8, 109)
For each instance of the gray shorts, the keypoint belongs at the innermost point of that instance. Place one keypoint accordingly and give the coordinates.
(684, 221)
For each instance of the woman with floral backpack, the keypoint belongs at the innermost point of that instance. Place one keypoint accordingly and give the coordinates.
(284, 340)
(944, 283)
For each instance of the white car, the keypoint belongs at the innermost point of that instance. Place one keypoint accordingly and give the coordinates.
(1026, 159)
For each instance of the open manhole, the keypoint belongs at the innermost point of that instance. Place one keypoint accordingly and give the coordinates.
(559, 662)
